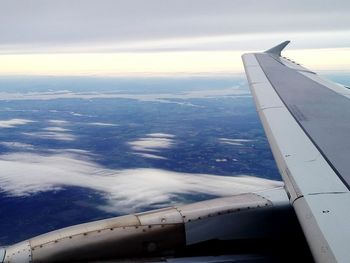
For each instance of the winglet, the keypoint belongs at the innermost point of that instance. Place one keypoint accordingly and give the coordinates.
(277, 49)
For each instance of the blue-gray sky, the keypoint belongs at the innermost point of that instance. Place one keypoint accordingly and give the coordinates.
(114, 25)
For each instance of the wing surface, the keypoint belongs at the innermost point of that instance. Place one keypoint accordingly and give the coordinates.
(307, 122)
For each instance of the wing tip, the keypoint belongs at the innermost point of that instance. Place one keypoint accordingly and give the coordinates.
(276, 50)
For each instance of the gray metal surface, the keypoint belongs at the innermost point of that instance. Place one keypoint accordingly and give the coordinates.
(221, 259)
(21, 253)
(2, 254)
(160, 231)
(277, 49)
(323, 114)
(317, 192)
(230, 218)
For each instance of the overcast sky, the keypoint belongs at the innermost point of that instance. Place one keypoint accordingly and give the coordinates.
(112, 25)
(162, 36)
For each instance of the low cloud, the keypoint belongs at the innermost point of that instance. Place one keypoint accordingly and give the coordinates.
(17, 145)
(56, 129)
(237, 142)
(58, 122)
(102, 124)
(161, 135)
(13, 123)
(150, 156)
(59, 136)
(127, 190)
(166, 97)
(151, 146)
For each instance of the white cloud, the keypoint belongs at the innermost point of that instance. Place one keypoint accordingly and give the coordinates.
(150, 156)
(58, 122)
(221, 160)
(13, 123)
(151, 144)
(102, 124)
(125, 190)
(57, 93)
(17, 145)
(76, 114)
(166, 97)
(53, 132)
(154, 142)
(60, 136)
(233, 143)
(237, 142)
(184, 103)
(56, 129)
(78, 154)
(161, 135)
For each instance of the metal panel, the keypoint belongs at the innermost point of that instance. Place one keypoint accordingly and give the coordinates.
(2, 254)
(267, 97)
(224, 218)
(237, 218)
(260, 85)
(291, 64)
(340, 89)
(21, 253)
(330, 212)
(303, 168)
(257, 73)
(112, 243)
(278, 196)
(162, 216)
(232, 226)
(67, 232)
(221, 259)
(111, 238)
(313, 107)
(200, 210)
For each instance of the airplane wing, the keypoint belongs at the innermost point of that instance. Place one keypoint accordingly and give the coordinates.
(307, 121)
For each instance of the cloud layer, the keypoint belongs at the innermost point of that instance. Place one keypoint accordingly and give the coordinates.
(13, 123)
(59, 136)
(103, 124)
(153, 143)
(237, 142)
(125, 190)
(56, 129)
(159, 97)
(132, 22)
(93, 37)
(17, 146)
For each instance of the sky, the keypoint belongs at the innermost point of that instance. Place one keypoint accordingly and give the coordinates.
(114, 37)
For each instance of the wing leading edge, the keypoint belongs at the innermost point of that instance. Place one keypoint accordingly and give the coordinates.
(307, 121)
